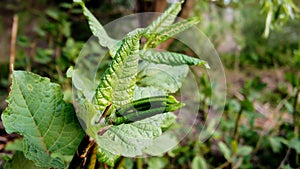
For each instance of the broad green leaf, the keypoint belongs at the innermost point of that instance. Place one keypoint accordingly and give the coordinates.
(117, 83)
(160, 76)
(170, 58)
(165, 19)
(19, 161)
(169, 31)
(98, 30)
(199, 163)
(37, 111)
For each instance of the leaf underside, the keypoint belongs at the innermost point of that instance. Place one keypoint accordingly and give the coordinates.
(170, 58)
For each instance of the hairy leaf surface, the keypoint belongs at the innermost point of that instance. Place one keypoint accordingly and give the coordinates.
(37, 111)
(165, 19)
(151, 74)
(170, 58)
(169, 31)
(107, 157)
(117, 83)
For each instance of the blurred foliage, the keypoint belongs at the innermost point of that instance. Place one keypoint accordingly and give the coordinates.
(51, 34)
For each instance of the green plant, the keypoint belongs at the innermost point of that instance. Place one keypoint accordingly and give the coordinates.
(52, 134)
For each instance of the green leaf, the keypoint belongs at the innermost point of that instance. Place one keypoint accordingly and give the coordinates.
(225, 150)
(165, 19)
(142, 92)
(98, 30)
(129, 139)
(126, 139)
(19, 161)
(16, 145)
(295, 144)
(107, 157)
(157, 163)
(199, 163)
(276, 144)
(163, 77)
(244, 150)
(156, 38)
(162, 144)
(293, 79)
(37, 111)
(117, 83)
(170, 58)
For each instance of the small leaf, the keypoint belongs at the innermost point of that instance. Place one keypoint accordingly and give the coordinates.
(244, 150)
(199, 163)
(247, 105)
(275, 143)
(98, 30)
(225, 150)
(157, 163)
(165, 19)
(70, 72)
(170, 58)
(37, 111)
(295, 144)
(170, 31)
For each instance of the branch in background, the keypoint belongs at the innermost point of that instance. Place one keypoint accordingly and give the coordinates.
(13, 48)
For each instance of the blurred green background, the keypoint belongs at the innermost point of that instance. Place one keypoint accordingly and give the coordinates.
(258, 43)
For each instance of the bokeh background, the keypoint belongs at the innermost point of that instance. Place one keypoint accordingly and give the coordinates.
(258, 42)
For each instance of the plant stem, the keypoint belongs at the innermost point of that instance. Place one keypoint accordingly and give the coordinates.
(295, 120)
(236, 126)
(227, 163)
(295, 115)
(139, 163)
(13, 48)
(83, 149)
(93, 157)
(120, 163)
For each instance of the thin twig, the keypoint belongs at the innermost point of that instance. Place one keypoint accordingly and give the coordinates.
(295, 120)
(295, 115)
(236, 125)
(13, 48)
(226, 164)
(284, 159)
